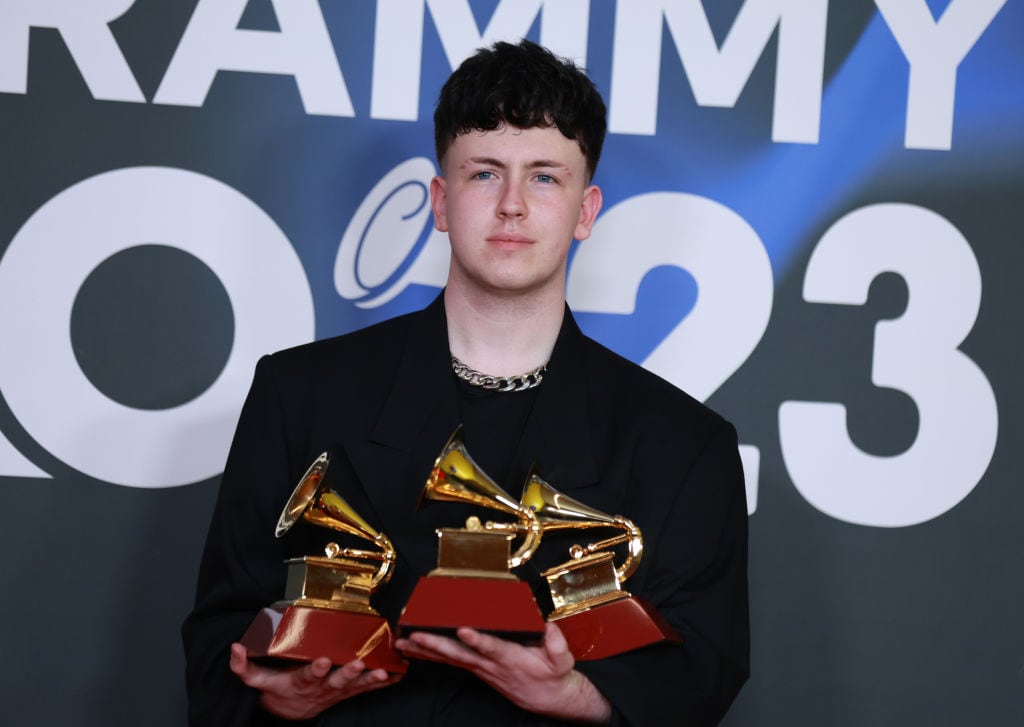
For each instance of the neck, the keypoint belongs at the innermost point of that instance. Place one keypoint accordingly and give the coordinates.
(502, 336)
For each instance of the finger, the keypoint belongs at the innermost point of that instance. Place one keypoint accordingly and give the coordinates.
(250, 674)
(238, 662)
(487, 645)
(346, 673)
(419, 646)
(434, 642)
(440, 648)
(557, 648)
(365, 679)
(311, 674)
(320, 667)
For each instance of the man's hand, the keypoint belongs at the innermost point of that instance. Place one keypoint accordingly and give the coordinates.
(305, 691)
(540, 679)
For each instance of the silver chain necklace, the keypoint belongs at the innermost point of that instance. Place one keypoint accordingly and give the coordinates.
(499, 383)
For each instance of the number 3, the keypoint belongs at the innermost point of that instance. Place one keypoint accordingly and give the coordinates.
(916, 354)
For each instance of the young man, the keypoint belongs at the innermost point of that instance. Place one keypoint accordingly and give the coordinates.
(519, 134)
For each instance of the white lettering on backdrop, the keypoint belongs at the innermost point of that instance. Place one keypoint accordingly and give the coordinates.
(212, 42)
(916, 354)
(390, 242)
(302, 48)
(398, 41)
(86, 32)
(717, 76)
(40, 379)
(935, 50)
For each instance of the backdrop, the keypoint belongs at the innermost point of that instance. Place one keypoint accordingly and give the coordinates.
(812, 221)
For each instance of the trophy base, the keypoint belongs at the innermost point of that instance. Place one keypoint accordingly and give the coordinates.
(303, 633)
(614, 627)
(502, 607)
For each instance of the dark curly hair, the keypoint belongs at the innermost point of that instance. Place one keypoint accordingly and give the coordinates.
(524, 86)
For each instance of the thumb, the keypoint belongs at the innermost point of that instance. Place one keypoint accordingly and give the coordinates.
(241, 666)
(557, 648)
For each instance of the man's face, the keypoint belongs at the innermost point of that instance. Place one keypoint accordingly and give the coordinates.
(511, 201)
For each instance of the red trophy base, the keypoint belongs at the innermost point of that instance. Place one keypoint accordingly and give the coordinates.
(615, 627)
(304, 633)
(504, 607)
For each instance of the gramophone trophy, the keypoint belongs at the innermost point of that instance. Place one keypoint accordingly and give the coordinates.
(326, 611)
(596, 616)
(472, 585)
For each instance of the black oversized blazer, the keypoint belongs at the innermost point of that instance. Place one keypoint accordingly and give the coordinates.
(383, 402)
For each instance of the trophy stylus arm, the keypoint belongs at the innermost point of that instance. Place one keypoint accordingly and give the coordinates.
(530, 526)
(386, 556)
(631, 535)
(360, 554)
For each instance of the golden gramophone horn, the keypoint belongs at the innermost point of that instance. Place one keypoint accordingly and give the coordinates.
(317, 503)
(557, 511)
(597, 618)
(455, 477)
(326, 608)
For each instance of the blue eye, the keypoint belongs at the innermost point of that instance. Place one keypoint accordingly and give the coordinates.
(483, 175)
(545, 178)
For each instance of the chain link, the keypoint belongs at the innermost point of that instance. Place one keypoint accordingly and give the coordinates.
(499, 383)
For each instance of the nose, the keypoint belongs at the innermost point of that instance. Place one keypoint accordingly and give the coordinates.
(512, 204)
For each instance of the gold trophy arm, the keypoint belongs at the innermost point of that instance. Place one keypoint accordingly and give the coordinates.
(631, 535)
(557, 511)
(386, 556)
(387, 565)
(530, 527)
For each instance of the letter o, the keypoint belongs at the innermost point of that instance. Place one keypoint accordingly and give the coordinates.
(45, 266)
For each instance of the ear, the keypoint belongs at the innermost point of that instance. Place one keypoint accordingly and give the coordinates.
(439, 203)
(589, 208)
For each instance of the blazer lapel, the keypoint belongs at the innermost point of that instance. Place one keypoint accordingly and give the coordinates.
(414, 423)
(557, 439)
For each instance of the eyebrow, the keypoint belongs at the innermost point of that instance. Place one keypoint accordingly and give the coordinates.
(536, 164)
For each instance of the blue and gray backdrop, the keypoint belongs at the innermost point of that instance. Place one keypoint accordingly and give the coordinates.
(813, 221)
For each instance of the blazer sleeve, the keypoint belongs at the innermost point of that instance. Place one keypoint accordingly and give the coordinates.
(242, 568)
(698, 581)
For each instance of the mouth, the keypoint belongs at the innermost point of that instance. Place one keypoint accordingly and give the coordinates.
(509, 238)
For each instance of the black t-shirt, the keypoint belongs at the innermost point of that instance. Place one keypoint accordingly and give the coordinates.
(493, 424)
